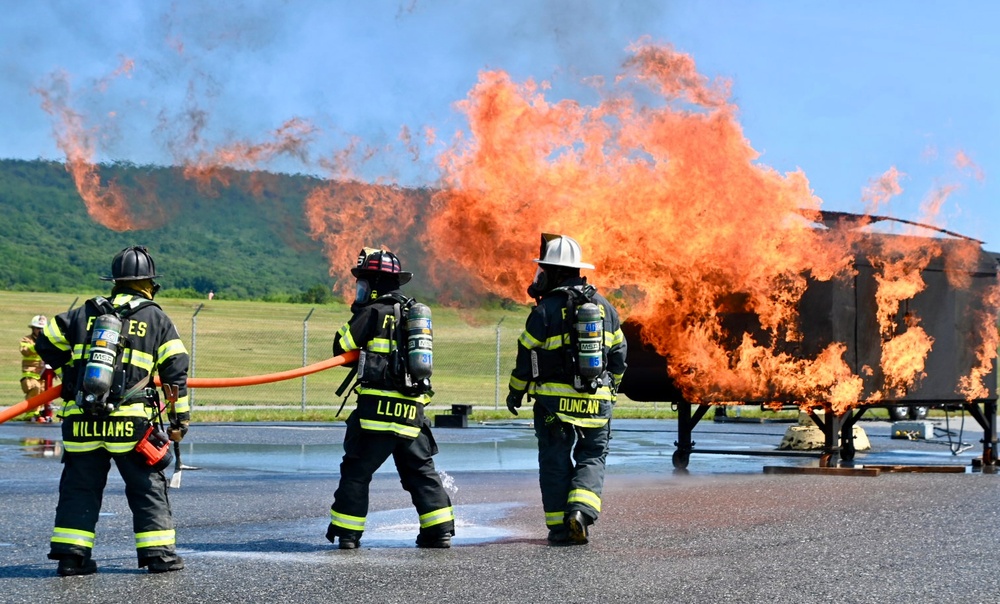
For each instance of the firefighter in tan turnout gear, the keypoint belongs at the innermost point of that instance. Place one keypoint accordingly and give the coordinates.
(33, 368)
(389, 419)
(570, 360)
(109, 350)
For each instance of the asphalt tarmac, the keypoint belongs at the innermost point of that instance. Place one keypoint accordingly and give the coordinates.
(251, 523)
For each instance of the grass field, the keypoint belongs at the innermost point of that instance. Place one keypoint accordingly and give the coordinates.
(236, 338)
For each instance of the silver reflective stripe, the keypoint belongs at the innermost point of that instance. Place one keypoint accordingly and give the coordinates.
(73, 537)
(351, 523)
(154, 539)
(437, 517)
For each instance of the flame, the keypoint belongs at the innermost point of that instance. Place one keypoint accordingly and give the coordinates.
(106, 203)
(964, 162)
(880, 190)
(692, 236)
(347, 216)
(686, 228)
(903, 359)
(972, 386)
(291, 138)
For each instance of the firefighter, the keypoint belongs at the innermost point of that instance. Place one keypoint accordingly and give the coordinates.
(573, 387)
(95, 434)
(32, 368)
(389, 417)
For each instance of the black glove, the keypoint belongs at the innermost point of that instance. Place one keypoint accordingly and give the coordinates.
(514, 401)
(178, 428)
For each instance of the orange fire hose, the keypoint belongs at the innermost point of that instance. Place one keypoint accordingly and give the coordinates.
(250, 380)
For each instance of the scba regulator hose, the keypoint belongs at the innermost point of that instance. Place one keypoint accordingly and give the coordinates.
(251, 380)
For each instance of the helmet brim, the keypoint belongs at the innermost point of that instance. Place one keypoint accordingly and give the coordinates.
(129, 278)
(566, 265)
(404, 276)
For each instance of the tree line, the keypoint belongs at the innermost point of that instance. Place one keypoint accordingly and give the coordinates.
(245, 240)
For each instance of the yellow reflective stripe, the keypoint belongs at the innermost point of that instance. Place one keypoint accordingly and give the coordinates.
(583, 422)
(437, 517)
(183, 405)
(423, 399)
(169, 349)
(554, 518)
(566, 390)
(528, 341)
(555, 342)
(73, 537)
(132, 410)
(351, 523)
(401, 429)
(517, 384)
(55, 335)
(31, 374)
(119, 448)
(617, 338)
(585, 497)
(138, 358)
(79, 350)
(346, 341)
(154, 539)
(381, 345)
(75, 447)
(93, 445)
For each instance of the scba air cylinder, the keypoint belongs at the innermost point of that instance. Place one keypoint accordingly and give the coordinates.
(100, 369)
(420, 341)
(589, 334)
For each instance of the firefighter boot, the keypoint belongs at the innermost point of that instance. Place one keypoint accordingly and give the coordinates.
(576, 524)
(76, 565)
(349, 542)
(440, 541)
(162, 564)
(559, 536)
(344, 540)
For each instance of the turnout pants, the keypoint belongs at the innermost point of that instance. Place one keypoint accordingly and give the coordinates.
(81, 490)
(571, 464)
(364, 452)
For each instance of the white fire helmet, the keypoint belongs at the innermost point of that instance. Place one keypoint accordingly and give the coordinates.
(560, 250)
(38, 321)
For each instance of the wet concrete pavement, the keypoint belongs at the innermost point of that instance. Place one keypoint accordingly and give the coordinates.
(251, 523)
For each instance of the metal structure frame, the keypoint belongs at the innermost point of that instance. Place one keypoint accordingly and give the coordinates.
(838, 433)
(847, 313)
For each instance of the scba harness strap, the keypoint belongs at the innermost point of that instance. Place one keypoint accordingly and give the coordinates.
(386, 365)
(574, 354)
(101, 404)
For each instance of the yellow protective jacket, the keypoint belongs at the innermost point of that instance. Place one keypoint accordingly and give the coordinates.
(32, 365)
(152, 346)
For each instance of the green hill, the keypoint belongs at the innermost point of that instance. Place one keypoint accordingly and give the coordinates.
(247, 240)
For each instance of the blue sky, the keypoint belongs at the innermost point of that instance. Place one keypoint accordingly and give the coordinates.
(843, 91)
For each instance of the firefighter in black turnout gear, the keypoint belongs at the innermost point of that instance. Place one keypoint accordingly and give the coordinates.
(389, 417)
(98, 428)
(570, 360)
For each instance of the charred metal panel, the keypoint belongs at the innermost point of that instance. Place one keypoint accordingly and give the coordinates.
(845, 310)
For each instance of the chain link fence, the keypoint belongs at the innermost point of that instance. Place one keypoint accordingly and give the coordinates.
(472, 363)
